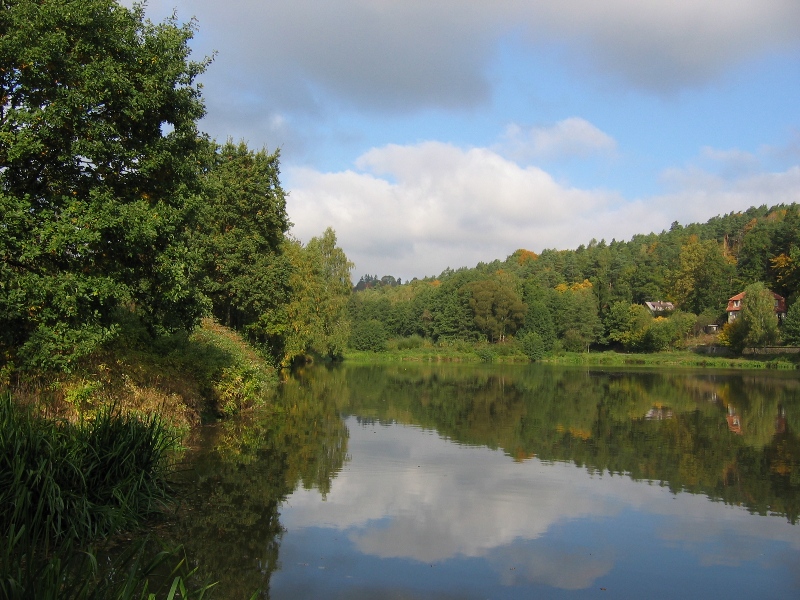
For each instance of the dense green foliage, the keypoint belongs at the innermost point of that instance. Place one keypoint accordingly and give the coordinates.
(791, 326)
(117, 209)
(595, 296)
(240, 234)
(99, 155)
(315, 320)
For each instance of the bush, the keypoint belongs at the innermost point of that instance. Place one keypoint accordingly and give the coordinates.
(573, 341)
(533, 346)
(368, 336)
(486, 354)
(410, 343)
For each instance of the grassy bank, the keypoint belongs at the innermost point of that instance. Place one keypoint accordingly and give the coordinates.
(186, 379)
(85, 456)
(670, 359)
(466, 353)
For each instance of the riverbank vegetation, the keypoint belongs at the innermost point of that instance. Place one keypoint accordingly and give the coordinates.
(124, 226)
(144, 267)
(509, 354)
(65, 487)
(656, 293)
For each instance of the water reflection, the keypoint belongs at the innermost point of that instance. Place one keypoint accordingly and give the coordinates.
(233, 480)
(491, 527)
(672, 427)
(499, 481)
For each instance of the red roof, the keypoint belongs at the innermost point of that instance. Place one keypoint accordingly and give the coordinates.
(780, 305)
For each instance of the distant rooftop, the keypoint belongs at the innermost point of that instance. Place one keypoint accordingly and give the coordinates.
(659, 306)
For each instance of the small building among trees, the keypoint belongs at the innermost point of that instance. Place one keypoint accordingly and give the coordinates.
(735, 306)
(659, 307)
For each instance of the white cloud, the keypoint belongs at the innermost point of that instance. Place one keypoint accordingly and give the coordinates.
(412, 211)
(572, 137)
(699, 195)
(415, 210)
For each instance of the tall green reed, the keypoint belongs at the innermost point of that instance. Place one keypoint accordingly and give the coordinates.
(63, 487)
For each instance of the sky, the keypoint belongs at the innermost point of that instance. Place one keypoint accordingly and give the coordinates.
(434, 135)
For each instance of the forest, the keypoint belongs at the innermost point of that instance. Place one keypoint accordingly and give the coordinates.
(595, 296)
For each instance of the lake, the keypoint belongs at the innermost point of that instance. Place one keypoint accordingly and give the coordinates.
(502, 481)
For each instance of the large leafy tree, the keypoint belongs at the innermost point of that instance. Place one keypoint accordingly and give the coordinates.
(497, 308)
(538, 320)
(99, 155)
(577, 315)
(704, 277)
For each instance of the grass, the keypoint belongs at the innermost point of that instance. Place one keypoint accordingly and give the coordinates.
(84, 456)
(509, 353)
(66, 486)
(683, 358)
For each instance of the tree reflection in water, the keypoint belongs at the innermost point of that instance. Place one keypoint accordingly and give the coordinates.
(235, 477)
(671, 427)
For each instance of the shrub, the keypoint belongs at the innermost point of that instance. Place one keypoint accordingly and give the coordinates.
(486, 354)
(533, 346)
(410, 343)
(368, 336)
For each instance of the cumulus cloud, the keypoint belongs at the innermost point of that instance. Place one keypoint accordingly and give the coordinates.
(570, 138)
(412, 211)
(302, 75)
(415, 210)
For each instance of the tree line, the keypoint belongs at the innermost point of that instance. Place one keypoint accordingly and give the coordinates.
(121, 219)
(639, 424)
(595, 295)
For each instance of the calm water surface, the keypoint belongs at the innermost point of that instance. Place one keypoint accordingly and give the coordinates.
(504, 482)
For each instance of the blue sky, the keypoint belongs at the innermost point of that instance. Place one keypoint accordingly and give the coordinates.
(440, 134)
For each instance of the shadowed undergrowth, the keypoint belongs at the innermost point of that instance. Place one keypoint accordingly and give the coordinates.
(66, 487)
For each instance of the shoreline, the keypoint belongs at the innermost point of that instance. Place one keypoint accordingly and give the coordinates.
(685, 358)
